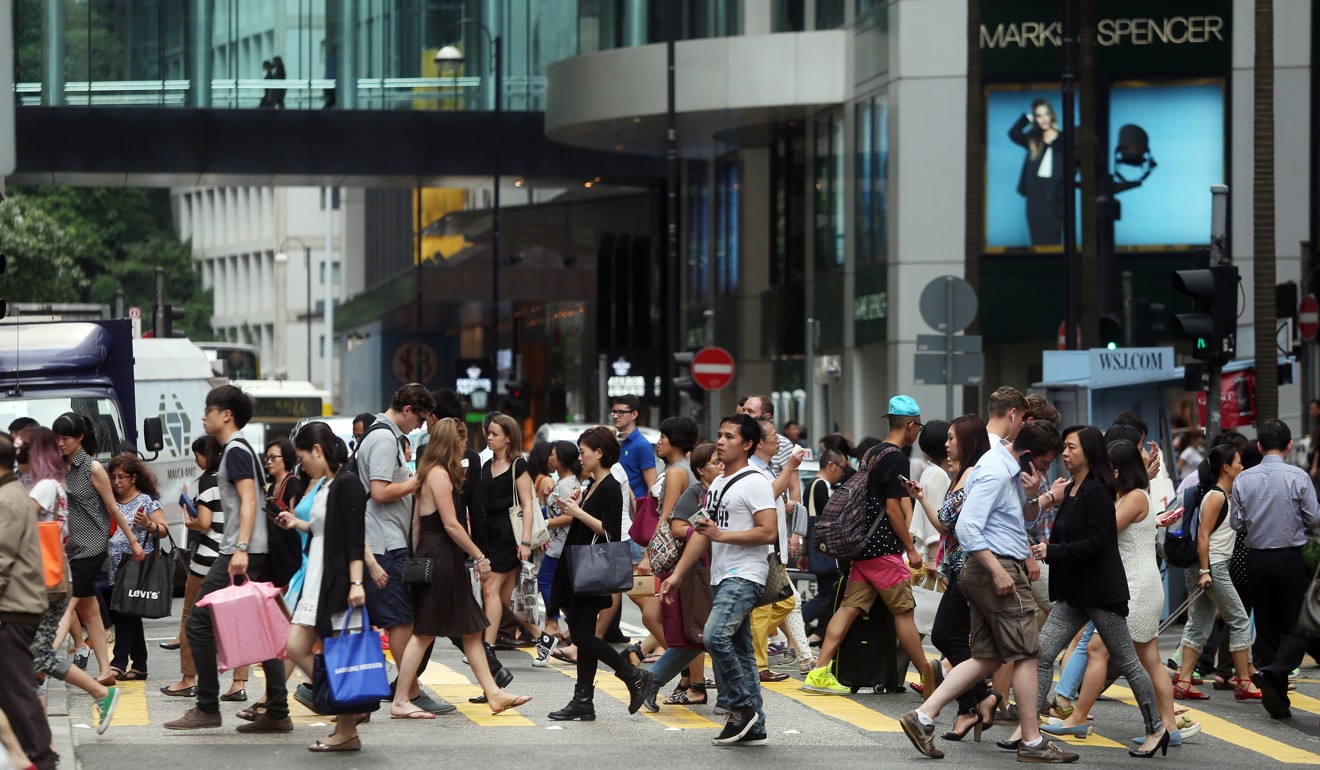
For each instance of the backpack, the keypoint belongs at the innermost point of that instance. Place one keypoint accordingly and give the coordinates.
(284, 549)
(1180, 544)
(841, 530)
(352, 465)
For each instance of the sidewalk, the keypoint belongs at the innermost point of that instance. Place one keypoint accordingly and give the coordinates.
(61, 728)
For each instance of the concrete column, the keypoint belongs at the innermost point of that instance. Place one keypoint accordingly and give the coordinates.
(52, 60)
(345, 40)
(758, 17)
(634, 23)
(203, 33)
(493, 17)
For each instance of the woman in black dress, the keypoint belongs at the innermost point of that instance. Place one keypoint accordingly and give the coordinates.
(597, 515)
(445, 606)
(504, 473)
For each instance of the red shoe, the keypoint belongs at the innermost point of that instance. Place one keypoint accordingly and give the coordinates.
(385, 642)
(1187, 693)
(1240, 692)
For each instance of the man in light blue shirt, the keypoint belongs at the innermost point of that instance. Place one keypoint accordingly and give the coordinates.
(993, 529)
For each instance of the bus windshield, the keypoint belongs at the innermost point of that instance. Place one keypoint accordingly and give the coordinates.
(44, 409)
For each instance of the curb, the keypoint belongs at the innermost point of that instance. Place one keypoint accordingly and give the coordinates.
(61, 727)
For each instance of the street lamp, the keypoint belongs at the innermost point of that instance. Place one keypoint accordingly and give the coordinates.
(307, 263)
(453, 56)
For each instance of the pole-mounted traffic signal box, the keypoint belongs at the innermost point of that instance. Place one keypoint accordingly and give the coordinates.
(683, 382)
(163, 319)
(516, 396)
(1212, 326)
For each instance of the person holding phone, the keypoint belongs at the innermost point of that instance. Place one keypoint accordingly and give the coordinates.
(135, 492)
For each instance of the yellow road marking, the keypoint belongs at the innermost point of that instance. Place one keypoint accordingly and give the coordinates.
(681, 717)
(1231, 733)
(131, 711)
(836, 706)
(456, 688)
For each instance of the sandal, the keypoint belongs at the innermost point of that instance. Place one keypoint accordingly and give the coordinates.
(1187, 693)
(955, 735)
(418, 714)
(1242, 691)
(561, 655)
(986, 724)
(683, 699)
(1062, 712)
(109, 677)
(251, 714)
(132, 675)
(518, 701)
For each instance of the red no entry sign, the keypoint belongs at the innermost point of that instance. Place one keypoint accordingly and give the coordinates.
(1308, 317)
(712, 368)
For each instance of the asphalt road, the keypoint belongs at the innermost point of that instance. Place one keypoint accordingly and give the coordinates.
(805, 730)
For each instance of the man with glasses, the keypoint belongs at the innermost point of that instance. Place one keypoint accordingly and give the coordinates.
(880, 572)
(384, 473)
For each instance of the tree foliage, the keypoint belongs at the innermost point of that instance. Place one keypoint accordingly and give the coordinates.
(78, 244)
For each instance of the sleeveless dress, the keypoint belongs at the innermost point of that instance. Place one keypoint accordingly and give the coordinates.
(446, 607)
(1136, 547)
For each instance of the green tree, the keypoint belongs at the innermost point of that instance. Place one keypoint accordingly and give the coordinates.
(42, 265)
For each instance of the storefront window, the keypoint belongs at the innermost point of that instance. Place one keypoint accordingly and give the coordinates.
(790, 16)
(829, 187)
(728, 183)
(829, 14)
(872, 178)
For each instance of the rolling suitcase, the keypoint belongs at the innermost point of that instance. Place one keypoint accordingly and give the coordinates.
(869, 655)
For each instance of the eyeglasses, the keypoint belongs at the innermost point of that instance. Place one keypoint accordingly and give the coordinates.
(772, 437)
(120, 477)
(621, 412)
(273, 458)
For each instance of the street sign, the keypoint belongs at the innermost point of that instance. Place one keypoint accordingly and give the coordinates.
(1063, 336)
(930, 369)
(8, 149)
(935, 343)
(1308, 317)
(712, 368)
(948, 298)
(135, 313)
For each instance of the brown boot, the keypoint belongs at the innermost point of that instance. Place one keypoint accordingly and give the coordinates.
(267, 724)
(195, 719)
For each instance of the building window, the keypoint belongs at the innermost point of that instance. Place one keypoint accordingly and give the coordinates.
(698, 232)
(334, 273)
(788, 201)
(830, 14)
(728, 186)
(829, 172)
(872, 178)
(790, 16)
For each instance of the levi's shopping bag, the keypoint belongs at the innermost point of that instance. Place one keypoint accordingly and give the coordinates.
(144, 589)
(250, 623)
(355, 666)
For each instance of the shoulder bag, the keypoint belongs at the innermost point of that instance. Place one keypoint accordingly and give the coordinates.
(600, 569)
(540, 535)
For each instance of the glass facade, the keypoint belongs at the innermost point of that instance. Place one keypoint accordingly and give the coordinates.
(872, 177)
(697, 225)
(788, 182)
(728, 222)
(355, 54)
(829, 168)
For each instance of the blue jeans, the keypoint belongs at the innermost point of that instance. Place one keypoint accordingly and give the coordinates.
(545, 578)
(729, 639)
(1070, 679)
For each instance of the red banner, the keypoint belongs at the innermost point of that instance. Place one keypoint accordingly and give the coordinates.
(1237, 400)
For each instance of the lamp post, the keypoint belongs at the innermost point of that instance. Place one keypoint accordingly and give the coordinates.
(454, 56)
(307, 263)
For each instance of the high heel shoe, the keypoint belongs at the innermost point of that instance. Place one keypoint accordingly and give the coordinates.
(1162, 747)
(1187, 693)
(957, 735)
(1240, 691)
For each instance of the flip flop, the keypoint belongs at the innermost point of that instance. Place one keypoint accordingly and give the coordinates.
(418, 714)
(520, 700)
(558, 655)
(132, 675)
(251, 714)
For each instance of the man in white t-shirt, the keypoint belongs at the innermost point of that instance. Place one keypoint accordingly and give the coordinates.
(741, 525)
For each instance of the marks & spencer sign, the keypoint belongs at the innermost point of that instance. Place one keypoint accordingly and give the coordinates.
(1024, 37)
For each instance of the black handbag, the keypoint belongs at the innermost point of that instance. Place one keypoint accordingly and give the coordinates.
(419, 571)
(600, 569)
(144, 589)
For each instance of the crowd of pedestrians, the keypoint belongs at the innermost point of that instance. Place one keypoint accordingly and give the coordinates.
(1041, 543)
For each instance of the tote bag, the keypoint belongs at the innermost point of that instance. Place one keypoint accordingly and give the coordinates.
(144, 589)
(540, 534)
(52, 557)
(600, 569)
(355, 666)
(645, 520)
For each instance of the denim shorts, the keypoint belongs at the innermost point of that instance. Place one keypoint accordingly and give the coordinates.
(392, 605)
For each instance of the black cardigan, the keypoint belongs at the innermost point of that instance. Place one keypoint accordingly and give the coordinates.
(1085, 567)
(345, 534)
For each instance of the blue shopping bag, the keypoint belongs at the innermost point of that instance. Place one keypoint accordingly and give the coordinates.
(355, 666)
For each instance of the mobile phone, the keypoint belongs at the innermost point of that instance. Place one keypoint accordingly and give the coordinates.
(904, 479)
(1025, 461)
(699, 517)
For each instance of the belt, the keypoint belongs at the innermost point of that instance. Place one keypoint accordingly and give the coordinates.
(1297, 548)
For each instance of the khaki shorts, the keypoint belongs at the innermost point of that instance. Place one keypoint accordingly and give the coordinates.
(861, 594)
(1003, 627)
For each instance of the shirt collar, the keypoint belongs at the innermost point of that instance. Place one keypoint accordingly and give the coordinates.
(79, 458)
(1010, 462)
(1271, 459)
(758, 462)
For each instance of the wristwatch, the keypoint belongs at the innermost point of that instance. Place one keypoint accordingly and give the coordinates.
(355, 582)
(243, 547)
(1205, 572)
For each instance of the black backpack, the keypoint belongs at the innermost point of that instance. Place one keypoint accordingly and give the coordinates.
(352, 465)
(1180, 543)
(284, 549)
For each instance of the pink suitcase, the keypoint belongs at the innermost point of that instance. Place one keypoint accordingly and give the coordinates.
(250, 622)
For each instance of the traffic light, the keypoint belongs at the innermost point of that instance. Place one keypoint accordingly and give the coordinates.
(1212, 326)
(163, 319)
(515, 395)
(683, 382)
(1111, 332)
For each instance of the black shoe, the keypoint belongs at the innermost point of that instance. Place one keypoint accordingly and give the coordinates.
(1162, 747)
(739, 723)
(503, 676)
(579, 709)
(505, 643)
(648, 702)
(1273, 695)
(753, 737)
(303, 694)
(639, 684)
(1008, 745)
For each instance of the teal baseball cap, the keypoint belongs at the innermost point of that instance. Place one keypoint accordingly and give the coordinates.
(903, 406)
